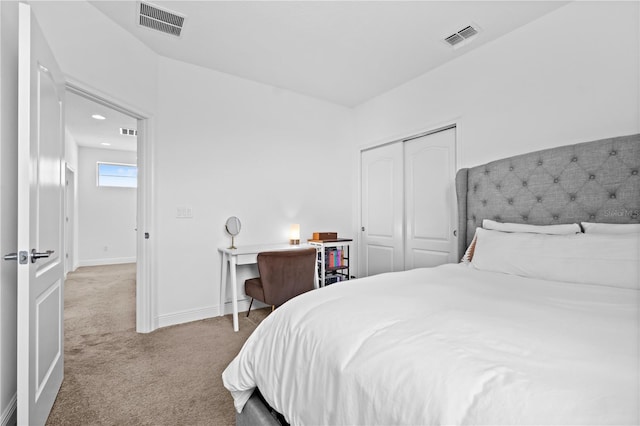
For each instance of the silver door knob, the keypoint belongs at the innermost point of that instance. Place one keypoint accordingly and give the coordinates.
(35, 255)
(21, 257)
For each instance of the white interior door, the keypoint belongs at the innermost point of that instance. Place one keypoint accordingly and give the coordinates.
(382, 200)
(430, 168)
(40, 223)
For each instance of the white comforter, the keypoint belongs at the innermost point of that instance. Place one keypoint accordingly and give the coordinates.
(447, 345)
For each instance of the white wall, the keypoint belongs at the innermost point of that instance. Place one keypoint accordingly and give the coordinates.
(71, 160)
(223, 146)
(106, 215)
(8, 203)
(70, 150)
(228, 146)
(570, 76)
(90, 48)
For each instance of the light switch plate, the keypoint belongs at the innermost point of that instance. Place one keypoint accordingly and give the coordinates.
(184, 212)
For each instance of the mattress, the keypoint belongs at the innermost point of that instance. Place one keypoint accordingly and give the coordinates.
(447, 345)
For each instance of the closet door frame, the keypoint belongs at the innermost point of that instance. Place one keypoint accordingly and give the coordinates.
(427, 130)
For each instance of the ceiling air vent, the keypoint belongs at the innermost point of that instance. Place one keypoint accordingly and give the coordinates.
(458, 38)
(454, 39)
(128, 132)
(159, 19)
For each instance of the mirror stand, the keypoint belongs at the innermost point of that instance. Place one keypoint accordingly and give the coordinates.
(233, 227)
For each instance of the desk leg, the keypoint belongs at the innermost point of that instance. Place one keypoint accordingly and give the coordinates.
(234, 292)
(223, 282)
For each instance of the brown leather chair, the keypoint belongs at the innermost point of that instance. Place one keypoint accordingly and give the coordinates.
(284, 274)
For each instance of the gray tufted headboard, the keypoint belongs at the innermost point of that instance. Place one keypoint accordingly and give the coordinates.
(595, 181)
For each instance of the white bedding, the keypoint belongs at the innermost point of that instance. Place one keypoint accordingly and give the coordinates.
(447, 345)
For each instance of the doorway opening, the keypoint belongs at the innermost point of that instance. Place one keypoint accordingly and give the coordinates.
(127, 146)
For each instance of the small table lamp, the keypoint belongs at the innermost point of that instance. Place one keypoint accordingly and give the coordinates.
(294, 234)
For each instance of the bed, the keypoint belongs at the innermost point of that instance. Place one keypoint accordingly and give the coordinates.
(516, 335)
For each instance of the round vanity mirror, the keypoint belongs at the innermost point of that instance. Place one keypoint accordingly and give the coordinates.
(233, 228)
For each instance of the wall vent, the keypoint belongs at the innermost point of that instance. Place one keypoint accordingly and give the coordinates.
(466, 34)
(159, 19)
(128, 132)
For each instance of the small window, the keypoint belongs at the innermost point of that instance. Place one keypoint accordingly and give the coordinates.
(118, 175)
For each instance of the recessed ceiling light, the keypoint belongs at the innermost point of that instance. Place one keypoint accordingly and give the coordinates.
(98, 117)
(105, 143)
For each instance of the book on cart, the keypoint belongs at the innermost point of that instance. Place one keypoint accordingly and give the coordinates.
(333, 257)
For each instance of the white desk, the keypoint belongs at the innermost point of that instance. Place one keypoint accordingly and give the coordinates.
(245, 255)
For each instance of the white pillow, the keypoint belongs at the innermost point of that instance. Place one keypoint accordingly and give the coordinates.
(564, 229)
(610, 228)
(602, 259)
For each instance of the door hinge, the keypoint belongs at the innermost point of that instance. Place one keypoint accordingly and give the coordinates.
(146, 235)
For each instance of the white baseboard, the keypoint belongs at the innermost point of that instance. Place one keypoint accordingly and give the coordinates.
(111, 261)
(182, 317)
(243, 306)
(9, 413)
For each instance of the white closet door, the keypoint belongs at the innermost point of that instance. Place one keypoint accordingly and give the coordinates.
(382, 201)
(430, 208)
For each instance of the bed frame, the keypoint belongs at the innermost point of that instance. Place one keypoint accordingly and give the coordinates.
(257, 412)
(596, 181)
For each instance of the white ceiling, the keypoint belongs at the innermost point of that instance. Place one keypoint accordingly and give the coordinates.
(344, 52)
(93, 133)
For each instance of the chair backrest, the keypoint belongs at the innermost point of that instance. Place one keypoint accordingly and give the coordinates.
(286, 273)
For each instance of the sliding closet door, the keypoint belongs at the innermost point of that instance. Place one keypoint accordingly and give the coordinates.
(430, 217)
(382, 234)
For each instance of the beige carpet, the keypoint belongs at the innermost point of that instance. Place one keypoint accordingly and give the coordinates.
(115, 376)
